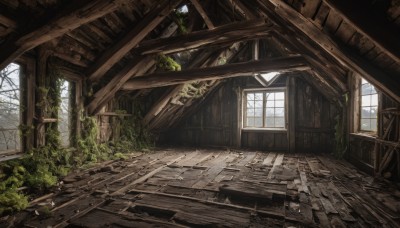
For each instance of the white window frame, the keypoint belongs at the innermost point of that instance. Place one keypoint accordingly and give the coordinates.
(361, 108)
(263, 90)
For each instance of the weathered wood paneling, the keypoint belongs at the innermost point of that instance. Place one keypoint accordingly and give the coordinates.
(216, 121)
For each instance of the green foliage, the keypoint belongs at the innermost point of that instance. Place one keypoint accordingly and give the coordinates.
(167, 63)
(181, 21)
(12, 201)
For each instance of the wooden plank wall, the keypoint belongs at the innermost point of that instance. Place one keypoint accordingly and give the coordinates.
(315, 120)
(215, 122)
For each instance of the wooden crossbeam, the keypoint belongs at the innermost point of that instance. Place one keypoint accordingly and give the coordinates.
(294, 19)
(203, 14)
(234, 32)
(115, 53)
(77, 14)
(136, 66)
(285, 64)
(384, 34)
(245, 10)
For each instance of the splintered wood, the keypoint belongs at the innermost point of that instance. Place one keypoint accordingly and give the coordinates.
(216, 188)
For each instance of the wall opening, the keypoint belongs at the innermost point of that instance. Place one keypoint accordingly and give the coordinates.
(64, 113)
(10, 108)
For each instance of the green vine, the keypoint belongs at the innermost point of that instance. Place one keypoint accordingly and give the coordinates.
(181, 21)
(167, 63)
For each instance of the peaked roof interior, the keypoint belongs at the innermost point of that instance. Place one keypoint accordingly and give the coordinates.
(115, 45)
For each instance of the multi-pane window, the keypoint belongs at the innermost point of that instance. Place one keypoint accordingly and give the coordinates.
(264, 109)
(10, 106)
(369, 107)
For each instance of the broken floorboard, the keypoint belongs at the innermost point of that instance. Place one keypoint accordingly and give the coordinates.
(224, 188)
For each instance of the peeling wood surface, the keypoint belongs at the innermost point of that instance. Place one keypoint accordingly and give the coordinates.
(189, 187)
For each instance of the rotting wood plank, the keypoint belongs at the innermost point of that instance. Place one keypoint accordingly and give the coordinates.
(286, 64)
(277, 163)
(203, 14)
(268, 160)
(224, 34)
(263, 190)
(61, 22)
(131, 39)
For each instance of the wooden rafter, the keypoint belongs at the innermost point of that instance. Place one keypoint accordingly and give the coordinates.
(202, 13)
(224, 34)
(385, 35)
(246, 11)
(286, 64)
(347, 58)
(136, 66)
(79, 13)
(131, 39)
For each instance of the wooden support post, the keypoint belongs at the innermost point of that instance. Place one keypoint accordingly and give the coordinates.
(291, 101)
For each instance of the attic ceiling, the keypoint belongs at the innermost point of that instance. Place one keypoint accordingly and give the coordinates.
(109, 43)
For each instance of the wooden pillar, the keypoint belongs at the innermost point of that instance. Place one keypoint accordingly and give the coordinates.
(239, 93)
(291, 119)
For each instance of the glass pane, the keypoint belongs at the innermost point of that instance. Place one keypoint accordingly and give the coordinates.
(280, 122)
(250, 112)
(258, 122)
(279, 112)
(366, 100)
(258, 112)
(373, 90)
(374, 100)
(374, 112)
(280, 96)
(270, 96)
(270, 104)
(269, 112)
(250, 104)
(64, 114)
(374, 125)
(258, 96)
(366, 89)
(366, 112)
(250, 96)
(280, 104)
(365, 124)
(258, 104)
(269, 122)
(250, 122)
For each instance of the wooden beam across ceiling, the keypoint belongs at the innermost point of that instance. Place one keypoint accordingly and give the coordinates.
(294, 19)
(76, 14)
(285, 64)
(203, 14)
(376, 27)
(117, 51)
(229, 33)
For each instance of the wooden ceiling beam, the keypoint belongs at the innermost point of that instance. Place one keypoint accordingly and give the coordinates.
(67, 19)
(203, 14)
(224, 34)
(246, 11)
(376, 27)
(137, 66)
(294, 19)
(285, 64)
(118, 50)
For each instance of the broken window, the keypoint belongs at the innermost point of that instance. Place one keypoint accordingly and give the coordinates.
(10, 108)
(264, 109)
(64, 113)
(369, 107)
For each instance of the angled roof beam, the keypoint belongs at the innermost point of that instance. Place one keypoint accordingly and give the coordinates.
(136, 66)
(246, 11)
(224, 34)
(381, 80)
(203, 14)
(286, 64)
(378, 29)
(118, 50)
(77, 14)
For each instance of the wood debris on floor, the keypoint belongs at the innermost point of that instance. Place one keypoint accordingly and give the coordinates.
(226, 188)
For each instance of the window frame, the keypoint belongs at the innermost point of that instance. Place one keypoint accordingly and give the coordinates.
(360, 95)
(263, 90)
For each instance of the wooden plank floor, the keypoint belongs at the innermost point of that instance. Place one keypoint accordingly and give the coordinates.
(225, 188)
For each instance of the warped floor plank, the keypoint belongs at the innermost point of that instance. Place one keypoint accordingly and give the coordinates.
(223, 188)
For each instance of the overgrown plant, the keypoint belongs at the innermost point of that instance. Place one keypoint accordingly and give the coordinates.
(167, 63)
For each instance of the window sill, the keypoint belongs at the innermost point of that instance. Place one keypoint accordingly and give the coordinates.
(258, 129)
(365, 135)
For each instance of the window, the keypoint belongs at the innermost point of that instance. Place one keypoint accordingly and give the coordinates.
(369, 107)
(64, 125)
(10, 113)
(264, 109)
